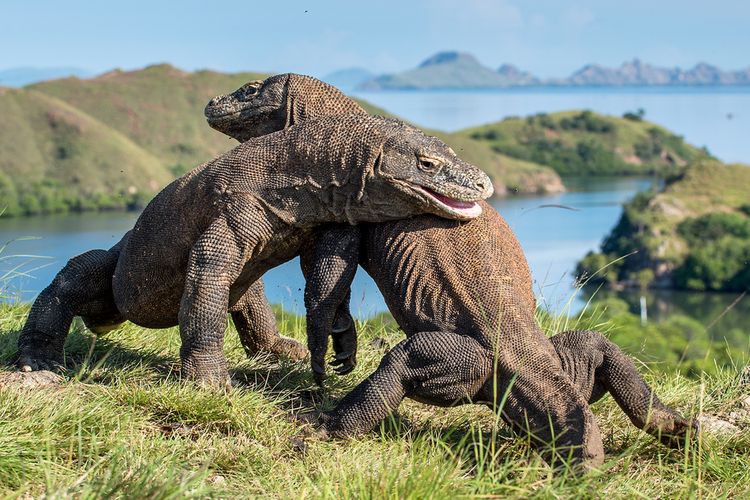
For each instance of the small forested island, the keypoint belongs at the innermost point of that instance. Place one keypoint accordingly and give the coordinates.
(588, 143)
(693, 234)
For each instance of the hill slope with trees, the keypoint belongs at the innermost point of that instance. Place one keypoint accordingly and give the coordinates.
(693, 235)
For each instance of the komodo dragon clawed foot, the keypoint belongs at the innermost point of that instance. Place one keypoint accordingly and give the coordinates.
(41, 358)
(206, 368)
(288, 348)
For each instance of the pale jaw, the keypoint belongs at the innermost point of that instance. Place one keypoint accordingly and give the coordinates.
(463, 210)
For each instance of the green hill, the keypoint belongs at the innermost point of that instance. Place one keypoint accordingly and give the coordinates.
(115, 140)
(694, 234)
(160, 108)
(587, 143)
(57, 158)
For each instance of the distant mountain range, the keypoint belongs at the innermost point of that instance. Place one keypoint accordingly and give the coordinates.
(447, 70)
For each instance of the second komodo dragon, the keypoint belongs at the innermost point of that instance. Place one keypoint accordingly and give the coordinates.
(203, 241)
(461, 292)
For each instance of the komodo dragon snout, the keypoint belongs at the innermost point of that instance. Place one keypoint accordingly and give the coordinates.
(259, 103)
(447, 185)
(263, 106)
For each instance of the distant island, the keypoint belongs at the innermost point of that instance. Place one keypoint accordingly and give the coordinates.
(459, 70)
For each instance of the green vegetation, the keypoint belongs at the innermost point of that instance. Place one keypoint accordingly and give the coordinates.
(693, 235)
(121, 425)
(113, 141)
(586, 143)
(635, 116)
(676, 342)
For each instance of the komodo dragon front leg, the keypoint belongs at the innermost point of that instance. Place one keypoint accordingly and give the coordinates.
(215, 263)
(329, 266)
(82, 288)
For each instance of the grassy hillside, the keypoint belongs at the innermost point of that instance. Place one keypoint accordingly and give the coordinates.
(160, 108)
(121, 425)
(56, 158)
(115, 140)
(586, 143)
(694, 234)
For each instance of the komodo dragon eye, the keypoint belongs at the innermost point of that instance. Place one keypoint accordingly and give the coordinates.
(251, 88)
(429, 165)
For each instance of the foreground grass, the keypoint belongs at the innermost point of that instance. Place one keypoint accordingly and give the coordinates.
(123, 425)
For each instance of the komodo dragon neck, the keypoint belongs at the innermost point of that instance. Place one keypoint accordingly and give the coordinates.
(307, 184)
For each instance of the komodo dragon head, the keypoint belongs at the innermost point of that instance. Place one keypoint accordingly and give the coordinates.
(263, 106)
(426, 167)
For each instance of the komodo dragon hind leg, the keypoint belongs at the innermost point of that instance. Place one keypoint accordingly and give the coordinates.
(597, 366)
(256, 325)
(446, 369)
(82, 288)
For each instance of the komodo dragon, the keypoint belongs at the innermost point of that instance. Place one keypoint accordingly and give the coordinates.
(202, 241)
(462, 293)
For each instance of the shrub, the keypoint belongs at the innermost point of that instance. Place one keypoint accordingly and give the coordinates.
(588, 121)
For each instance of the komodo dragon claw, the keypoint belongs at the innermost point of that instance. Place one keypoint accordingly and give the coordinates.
(344, 362)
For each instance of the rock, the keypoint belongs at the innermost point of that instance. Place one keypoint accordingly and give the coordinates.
(216, 479)
(717, 425)
(29, 380)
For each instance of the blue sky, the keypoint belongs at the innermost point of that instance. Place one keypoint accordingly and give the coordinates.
(547, 37)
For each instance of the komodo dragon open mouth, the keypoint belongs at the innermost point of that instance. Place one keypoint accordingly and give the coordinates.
(456, 208)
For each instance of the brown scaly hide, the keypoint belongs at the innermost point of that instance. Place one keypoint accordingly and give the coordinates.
(200, 245)
(310, 98)
(462, 294)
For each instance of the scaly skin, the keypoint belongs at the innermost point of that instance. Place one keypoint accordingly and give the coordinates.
(203, 241)
(462, 293)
